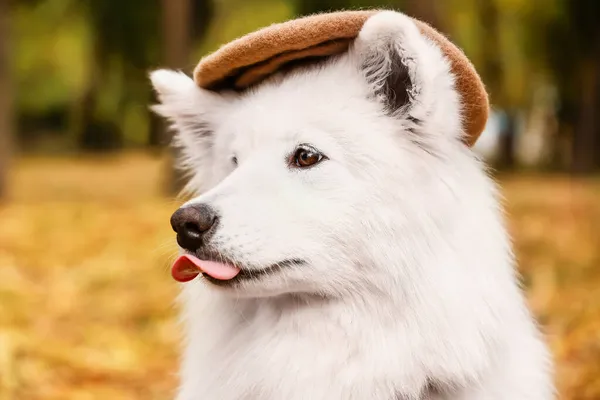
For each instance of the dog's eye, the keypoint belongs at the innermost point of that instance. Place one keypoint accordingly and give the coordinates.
(234, 161)
(306, 156)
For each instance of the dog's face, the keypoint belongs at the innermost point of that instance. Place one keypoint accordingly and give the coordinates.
(316, 177)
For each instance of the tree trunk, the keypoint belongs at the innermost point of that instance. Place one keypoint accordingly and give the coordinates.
(176, 27)
(6, 115)
(586, 138)
(428, 11)
(156, 129)
(506, 151)
(96, 133)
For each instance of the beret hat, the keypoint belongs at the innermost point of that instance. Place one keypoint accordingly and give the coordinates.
(253, 57)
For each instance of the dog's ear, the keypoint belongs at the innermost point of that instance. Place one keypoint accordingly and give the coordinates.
(183, 103)
(407, 72)
(191, 112)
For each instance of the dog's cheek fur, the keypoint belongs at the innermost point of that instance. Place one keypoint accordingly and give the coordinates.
(270, 213)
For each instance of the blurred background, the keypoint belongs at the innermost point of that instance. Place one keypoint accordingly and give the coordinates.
(86, 185)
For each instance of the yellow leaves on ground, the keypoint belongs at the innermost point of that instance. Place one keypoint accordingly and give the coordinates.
(86, 299)
(555, 224)
(87, 305)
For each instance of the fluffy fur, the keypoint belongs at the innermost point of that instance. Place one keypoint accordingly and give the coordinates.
(408, 289)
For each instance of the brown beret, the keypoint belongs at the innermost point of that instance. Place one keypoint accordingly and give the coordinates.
(251, 58)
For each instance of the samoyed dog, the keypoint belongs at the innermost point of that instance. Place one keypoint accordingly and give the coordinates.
(351, 245)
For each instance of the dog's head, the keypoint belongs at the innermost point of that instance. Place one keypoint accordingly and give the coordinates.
(326, 179)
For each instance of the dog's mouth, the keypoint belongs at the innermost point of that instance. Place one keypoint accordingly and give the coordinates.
(220, 271)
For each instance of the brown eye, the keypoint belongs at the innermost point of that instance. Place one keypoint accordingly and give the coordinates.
(306, 156)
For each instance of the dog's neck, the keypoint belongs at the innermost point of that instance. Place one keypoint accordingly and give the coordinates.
(227, 333)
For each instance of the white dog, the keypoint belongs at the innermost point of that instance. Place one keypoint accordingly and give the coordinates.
(352, 247)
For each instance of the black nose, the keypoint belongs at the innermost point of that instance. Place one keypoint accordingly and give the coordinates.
(192, 223)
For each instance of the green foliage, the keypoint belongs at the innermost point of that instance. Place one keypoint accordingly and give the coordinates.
(235, 18)
(51, 61)
(127, 29)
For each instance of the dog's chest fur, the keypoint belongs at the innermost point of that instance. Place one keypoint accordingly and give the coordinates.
(290, 349)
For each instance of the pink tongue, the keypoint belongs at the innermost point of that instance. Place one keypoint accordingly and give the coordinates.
(188, 267)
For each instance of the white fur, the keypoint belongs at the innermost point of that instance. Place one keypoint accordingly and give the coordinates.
(409, 281)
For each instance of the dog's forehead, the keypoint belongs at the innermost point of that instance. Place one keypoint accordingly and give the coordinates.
(296, 106)
(257, 126)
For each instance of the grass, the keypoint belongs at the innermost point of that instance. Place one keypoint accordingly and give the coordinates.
(87, 304)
